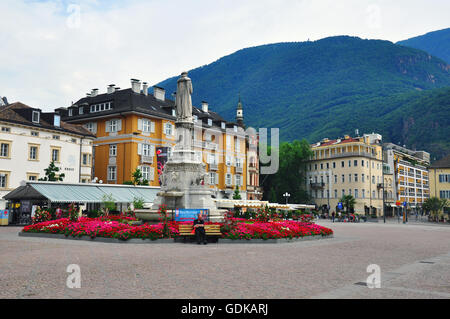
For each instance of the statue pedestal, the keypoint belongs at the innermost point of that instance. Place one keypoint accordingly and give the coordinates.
(184, 179)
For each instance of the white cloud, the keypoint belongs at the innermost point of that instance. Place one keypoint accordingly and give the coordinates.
(51, 56)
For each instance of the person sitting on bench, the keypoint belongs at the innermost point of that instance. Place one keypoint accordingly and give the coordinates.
(199, 226)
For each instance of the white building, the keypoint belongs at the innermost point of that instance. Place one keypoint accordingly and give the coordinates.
(30, 139)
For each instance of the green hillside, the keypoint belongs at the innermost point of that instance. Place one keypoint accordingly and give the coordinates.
(325, 88)
(436, 43)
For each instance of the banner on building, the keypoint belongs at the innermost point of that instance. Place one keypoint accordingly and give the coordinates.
(161, 159)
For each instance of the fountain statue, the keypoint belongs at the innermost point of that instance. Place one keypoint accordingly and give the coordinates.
(184, 178)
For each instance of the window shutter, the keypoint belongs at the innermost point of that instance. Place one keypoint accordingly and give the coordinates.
(139, 149)
(119, 125)
(107, 126)
(152, 173)
(217, 178)
(152, 150)
(140, 124)
(153, 127)
(94, 127)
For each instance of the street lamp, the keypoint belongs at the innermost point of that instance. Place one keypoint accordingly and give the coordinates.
(286, 195)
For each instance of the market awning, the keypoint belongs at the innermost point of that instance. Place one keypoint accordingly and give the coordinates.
(82, 193)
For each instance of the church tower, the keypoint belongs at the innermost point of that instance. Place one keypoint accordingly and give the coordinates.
(240, 113)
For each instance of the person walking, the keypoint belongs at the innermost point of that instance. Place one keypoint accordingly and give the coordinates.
(333, 214)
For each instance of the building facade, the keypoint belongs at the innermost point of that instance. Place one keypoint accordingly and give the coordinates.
(439, 173)
(31, 139)
(410, 176)
(347, 166)
(136, 129)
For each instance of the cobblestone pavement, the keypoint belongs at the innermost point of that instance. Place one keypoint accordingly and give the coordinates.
(414, 261)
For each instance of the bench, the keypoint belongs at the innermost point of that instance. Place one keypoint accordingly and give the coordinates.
(185, 231)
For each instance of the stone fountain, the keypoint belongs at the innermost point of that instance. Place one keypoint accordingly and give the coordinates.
(184, 178)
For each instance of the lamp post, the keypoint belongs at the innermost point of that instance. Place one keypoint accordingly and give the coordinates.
(286, 195)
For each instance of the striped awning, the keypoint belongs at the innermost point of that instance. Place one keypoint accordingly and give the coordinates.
(89, 193)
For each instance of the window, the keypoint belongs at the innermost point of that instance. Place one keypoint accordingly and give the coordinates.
(209, 122)
(113, 126)
(356, 193)
(362, 178)
(315, 166)
(335, 178)
(342, 163)
(32, 176)
(444, 178)
(334, 164)
(6, 129)
(355, 163)
(228, 179)
(222, 125)
(146, 125)
(238, 162)
(350, 192)
(168, 130)
(112, 170)
(343, 178)
(237, 146)
(362, 163)
(349, 178)
(73, 140)
(101, 107)
(35, 117)
(147, 173)
(328, 165)
(55, 154)
(335, 193)
(4, 149)
(349, 163)
(343, 192)
(356, 177)
(147, 150)
(373, 194)
(33, 153)
(91, 127)
(373, 179)
(80, 110)
(212, 178)
(228, 138)
(70, 112)
(195, 118)
(363, 193)
(321, 165)
(444, 194)
(238, 179)
(55, 137)
(4, 179)
(228, 160)
(86, 159)
(113, 150)
(34, 133)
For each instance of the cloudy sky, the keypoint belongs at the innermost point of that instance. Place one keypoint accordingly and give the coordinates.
(55, 51)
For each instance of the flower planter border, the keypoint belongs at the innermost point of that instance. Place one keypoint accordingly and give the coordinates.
(170, 240)
(98, 239)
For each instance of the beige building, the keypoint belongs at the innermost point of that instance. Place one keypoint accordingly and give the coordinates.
(440, 180)
(347, 166)
(410, 176)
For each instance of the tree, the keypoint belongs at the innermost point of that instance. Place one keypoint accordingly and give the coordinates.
(348, 201)
(51, 174)
(291, 174)
(435, 206)
(137, 178)
(236, 194)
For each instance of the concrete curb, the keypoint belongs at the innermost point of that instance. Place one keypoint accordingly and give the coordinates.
(170, 240)
(272, 241)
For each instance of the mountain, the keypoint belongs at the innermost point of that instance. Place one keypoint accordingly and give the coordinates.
(325, 88)
(436, 43)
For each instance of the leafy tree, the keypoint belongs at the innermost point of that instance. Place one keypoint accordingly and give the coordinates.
(137, 178)
(291, 174)
(435, 206)
(349, 202)
(51, 174)
(236, 194)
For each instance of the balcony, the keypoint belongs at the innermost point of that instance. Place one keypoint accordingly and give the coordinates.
(146, 159)
(317, 185)
(380, 185)
(239, 170)
(345, 154)
(213, 167)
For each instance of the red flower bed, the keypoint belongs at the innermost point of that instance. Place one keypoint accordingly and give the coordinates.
(274, 230)
(118, 227)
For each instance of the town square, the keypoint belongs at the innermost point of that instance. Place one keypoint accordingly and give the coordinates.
(198, 151)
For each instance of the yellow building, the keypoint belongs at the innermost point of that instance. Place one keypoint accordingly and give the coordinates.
(410, 172)
(347, 166)
(440, 180)
(135, 129)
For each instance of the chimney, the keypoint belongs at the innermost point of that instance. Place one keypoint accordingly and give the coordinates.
(204, 106)
(110, 88)
(145, 88)
(136, 86)
(94, 92)
(159, 93)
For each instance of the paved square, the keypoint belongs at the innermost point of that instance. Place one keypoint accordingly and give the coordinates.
(414, 261)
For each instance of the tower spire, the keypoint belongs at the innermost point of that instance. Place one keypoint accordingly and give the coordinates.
(240, 112)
